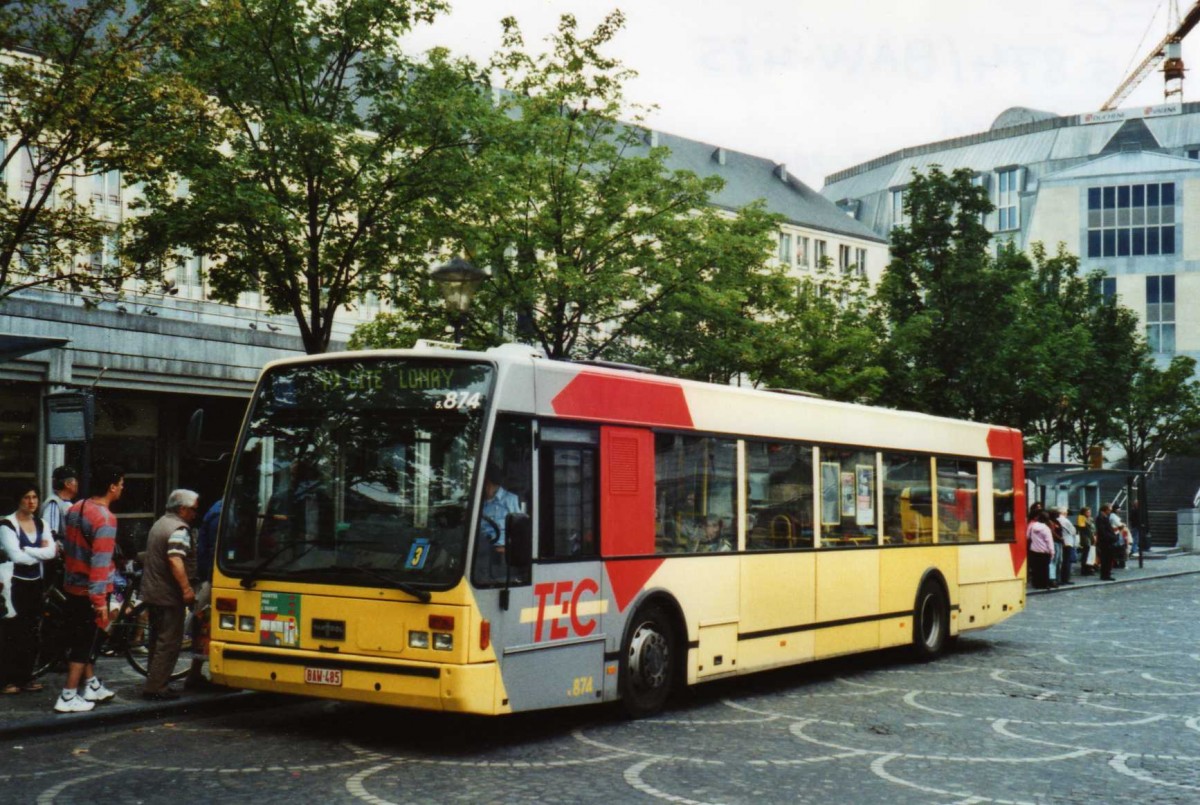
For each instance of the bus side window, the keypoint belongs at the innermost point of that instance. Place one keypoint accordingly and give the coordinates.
(569, 493)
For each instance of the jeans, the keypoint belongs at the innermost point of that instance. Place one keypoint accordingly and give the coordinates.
(1056, 563)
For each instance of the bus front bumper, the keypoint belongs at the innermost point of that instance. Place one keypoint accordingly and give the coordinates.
(426, 686)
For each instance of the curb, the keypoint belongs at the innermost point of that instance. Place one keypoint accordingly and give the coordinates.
(1074, 588)
(104, 717)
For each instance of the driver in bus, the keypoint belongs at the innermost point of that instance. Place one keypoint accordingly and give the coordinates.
(498, 503)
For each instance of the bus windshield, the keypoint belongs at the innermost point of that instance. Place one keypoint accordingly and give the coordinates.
(357, 472)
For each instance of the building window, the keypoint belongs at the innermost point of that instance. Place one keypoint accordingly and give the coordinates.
(898, 216)
(819, 255)
(104, 255)
(1131, 220)
(105, 191)
(802, 251)
(1193, 153)
(785, 249)
(844, 258)
(860, 262)
(1106, 287)
(1160, 313)
(32, 173)
(1008, 205)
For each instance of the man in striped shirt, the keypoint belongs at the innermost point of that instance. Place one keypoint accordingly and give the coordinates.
(91, 537)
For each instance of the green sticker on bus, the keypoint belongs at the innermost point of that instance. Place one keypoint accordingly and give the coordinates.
(279, 620)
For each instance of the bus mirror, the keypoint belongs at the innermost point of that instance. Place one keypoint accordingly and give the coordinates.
(519, 530)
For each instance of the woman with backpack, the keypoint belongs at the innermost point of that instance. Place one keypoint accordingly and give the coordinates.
(27, 543)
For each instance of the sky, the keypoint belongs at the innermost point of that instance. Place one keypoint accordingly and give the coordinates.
(822, 85)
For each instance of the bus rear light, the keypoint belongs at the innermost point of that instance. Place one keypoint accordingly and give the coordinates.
(226, 605)
(485, 635)
(441, 623)
(246, 623)
(227, 621)
(418, 639)
(443, 641)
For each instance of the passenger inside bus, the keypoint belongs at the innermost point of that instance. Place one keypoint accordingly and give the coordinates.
(712, 536)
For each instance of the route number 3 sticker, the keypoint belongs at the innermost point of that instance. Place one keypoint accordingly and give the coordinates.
(417, 554)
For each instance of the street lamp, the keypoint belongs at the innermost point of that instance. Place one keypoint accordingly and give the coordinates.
(458, 280)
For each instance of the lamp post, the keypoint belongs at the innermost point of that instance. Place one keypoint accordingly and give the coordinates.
(458, 280)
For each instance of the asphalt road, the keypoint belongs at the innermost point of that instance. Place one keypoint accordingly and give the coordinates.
(1089, 697)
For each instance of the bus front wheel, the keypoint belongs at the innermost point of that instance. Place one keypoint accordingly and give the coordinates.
(648, 663)
(931, 621)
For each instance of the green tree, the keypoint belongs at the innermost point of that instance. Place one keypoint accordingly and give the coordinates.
(78, 83)
(586, 231)
(1116, 350)
(328, 162)
(829, 340)
(946, 302)
(1160, 409)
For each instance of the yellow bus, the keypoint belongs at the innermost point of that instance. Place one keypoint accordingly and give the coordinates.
(492, 532)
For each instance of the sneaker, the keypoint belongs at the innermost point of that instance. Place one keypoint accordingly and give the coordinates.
(75, 704)
(96, 692)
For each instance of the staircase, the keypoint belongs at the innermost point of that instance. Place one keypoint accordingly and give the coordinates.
(1170, 486)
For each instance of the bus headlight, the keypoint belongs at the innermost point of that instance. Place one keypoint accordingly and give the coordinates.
(418, 639)
(443, 641)
(227, 620)
(246, 623)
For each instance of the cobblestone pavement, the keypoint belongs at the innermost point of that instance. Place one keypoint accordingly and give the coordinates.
(1091, 697)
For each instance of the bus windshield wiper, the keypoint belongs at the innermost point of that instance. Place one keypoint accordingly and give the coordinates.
(416, 592)
(253, 575)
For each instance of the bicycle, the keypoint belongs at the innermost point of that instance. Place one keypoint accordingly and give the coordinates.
(128, 634)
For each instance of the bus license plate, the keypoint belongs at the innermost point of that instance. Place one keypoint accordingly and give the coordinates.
(323, 676)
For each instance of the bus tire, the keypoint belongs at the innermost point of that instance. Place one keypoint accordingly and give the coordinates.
(649, 662)
(931, 621)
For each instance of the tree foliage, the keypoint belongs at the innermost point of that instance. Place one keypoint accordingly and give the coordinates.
(78, 83)
(328, 160)
(593, 243)
(945, 301)
(1159, 409)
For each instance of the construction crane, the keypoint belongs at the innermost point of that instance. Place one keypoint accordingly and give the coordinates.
(1168, 53)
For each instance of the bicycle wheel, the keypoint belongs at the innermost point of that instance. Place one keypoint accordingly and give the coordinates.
(51, 649)
(132, 634)
(52, 636)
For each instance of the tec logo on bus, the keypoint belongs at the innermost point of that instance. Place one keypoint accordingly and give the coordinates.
(564, 609)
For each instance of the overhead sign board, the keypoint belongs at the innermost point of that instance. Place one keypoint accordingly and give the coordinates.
(1133, 113)
(69, 417)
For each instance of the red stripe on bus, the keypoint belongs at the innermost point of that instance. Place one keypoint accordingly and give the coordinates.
(626, 579)
(1007, 443)
(623, 399)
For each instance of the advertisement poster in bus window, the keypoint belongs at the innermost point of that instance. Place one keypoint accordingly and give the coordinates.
(829, 492)
(279, 620)
(847, 494)
(864, 514)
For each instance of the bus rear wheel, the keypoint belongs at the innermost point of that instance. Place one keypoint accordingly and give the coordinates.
(649, 663)
(931, 621)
